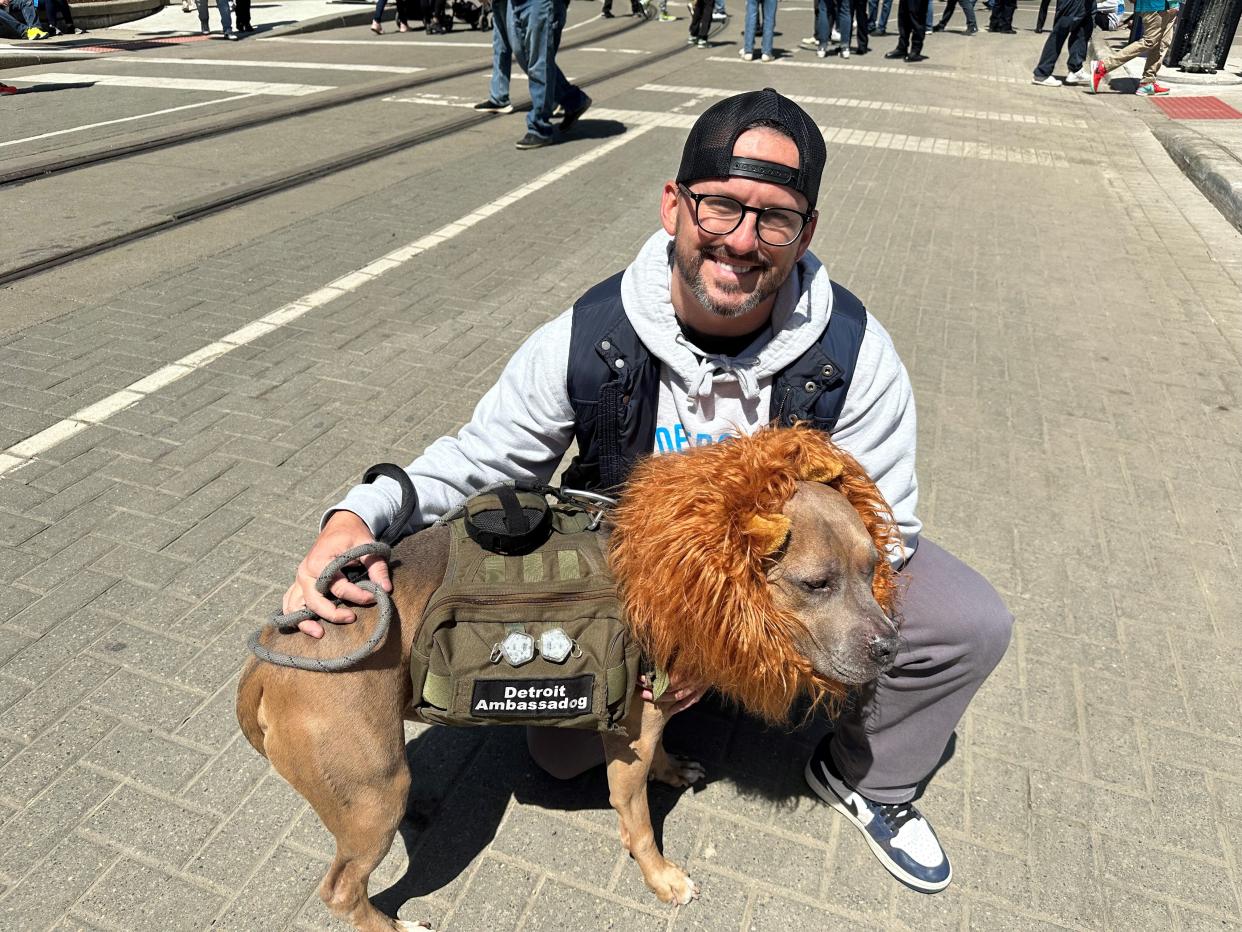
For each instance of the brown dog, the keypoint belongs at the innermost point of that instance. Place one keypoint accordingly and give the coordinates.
(776, 543)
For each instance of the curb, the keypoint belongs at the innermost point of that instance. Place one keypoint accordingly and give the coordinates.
(1213, 170)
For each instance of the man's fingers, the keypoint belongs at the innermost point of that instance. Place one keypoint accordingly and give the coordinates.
(377, 571)
(311, 627)
(346, 591)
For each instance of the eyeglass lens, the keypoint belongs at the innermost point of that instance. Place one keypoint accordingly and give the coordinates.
(721, 215)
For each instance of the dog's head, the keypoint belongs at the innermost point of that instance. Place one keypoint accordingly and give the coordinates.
(758, 565)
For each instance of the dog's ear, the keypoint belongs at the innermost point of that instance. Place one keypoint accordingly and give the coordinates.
(825, 471)
(766, 533)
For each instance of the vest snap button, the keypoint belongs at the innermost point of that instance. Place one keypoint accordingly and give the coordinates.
(605, 346)
(620, 363)
(809, 387)
(829, 371)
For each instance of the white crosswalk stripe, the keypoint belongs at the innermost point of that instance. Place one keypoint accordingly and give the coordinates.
(255, 63)
(871, 139)
(178, 84)
(882, 105)
(905, 70)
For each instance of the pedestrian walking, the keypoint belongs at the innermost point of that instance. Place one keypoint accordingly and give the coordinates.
(753, 9)
(1001, 19)
(878, 26)
(529, 31)
(825, 29)
(636, 9)
(1043, 15)
(701, 16)
(723, 318)
(226, 19)
(911, 30)
(851, 18)
(403, 16)
(1074, 21)
(968, 8)
(1159, 17)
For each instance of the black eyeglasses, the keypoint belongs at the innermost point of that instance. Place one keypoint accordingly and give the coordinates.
(720, 215)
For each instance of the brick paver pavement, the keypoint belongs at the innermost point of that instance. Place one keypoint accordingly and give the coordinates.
(1069, 308)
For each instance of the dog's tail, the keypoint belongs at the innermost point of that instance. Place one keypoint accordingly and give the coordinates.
(249, 698)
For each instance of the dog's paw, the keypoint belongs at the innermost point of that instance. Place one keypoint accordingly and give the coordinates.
(403, 925)
(672, 885)
(678, 771)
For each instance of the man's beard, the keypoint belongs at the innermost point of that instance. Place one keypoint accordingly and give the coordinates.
(688, 261)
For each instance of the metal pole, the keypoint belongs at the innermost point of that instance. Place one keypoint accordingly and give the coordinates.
(1203, 34)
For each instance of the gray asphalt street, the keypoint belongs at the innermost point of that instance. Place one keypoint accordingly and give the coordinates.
(178, 407)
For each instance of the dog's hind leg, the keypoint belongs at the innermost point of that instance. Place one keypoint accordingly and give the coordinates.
(629, 764)
(355, 776)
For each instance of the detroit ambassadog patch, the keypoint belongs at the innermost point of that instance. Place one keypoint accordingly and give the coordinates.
(532, 698)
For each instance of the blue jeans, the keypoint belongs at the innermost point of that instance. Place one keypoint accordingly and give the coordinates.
(719, 7)
(534, 35)
(752, 21)
(884, 11)
(930, 17)
(502, 52)
(26, 12)
(226, 18)
(823, 16)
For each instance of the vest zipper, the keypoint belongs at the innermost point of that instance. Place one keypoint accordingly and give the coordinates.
(780, 411)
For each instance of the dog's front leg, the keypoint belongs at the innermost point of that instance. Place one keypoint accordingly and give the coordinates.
(629, 762)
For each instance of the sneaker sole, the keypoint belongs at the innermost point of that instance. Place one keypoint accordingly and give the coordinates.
(829, 795)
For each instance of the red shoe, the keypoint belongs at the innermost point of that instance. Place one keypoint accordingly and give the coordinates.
(1098, 73)
(1158, 88)
(7, 89)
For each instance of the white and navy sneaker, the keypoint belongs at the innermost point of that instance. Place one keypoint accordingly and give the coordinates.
(897, 832)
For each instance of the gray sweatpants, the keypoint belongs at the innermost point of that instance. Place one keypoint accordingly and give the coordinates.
(955, 629)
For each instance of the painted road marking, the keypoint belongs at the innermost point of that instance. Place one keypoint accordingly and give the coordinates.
(139, 116)
(429, 99)
(24, 451)
(871, 139)
(885, 105)
(239, 63)
(181, 84)
(376, 43)
(908, 71)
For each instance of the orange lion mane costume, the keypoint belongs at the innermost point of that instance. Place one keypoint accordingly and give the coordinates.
(694, 536)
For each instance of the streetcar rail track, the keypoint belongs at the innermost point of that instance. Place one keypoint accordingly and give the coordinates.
(36, 168)
(188, 212)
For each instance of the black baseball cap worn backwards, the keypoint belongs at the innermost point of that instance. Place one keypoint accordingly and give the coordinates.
(709, 147)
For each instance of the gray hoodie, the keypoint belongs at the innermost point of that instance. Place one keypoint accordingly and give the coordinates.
(523, 426)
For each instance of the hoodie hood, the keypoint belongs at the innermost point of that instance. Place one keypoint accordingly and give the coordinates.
(799, 317)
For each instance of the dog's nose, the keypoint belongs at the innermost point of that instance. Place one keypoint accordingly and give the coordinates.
(884, 651)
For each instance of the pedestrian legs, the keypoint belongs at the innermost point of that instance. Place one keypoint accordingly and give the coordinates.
(502, 53)
(1154, 43)
(1069, 16)
(1043, 15)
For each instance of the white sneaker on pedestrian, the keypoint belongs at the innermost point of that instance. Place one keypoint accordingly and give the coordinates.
(1076, 77)
(719, 17)
(822, 52)
(1049, 81)
(810, 42)
(845, 51)
(835, 35)
(767, 58)
(745, 55)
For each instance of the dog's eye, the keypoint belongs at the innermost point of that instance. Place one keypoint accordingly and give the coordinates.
(815, 585)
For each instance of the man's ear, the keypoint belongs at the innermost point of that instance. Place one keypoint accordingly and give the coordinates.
(669, 202)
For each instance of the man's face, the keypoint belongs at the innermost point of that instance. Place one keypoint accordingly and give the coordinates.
(732, 275)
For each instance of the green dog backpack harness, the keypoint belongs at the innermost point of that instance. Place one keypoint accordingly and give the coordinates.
(526, 626)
